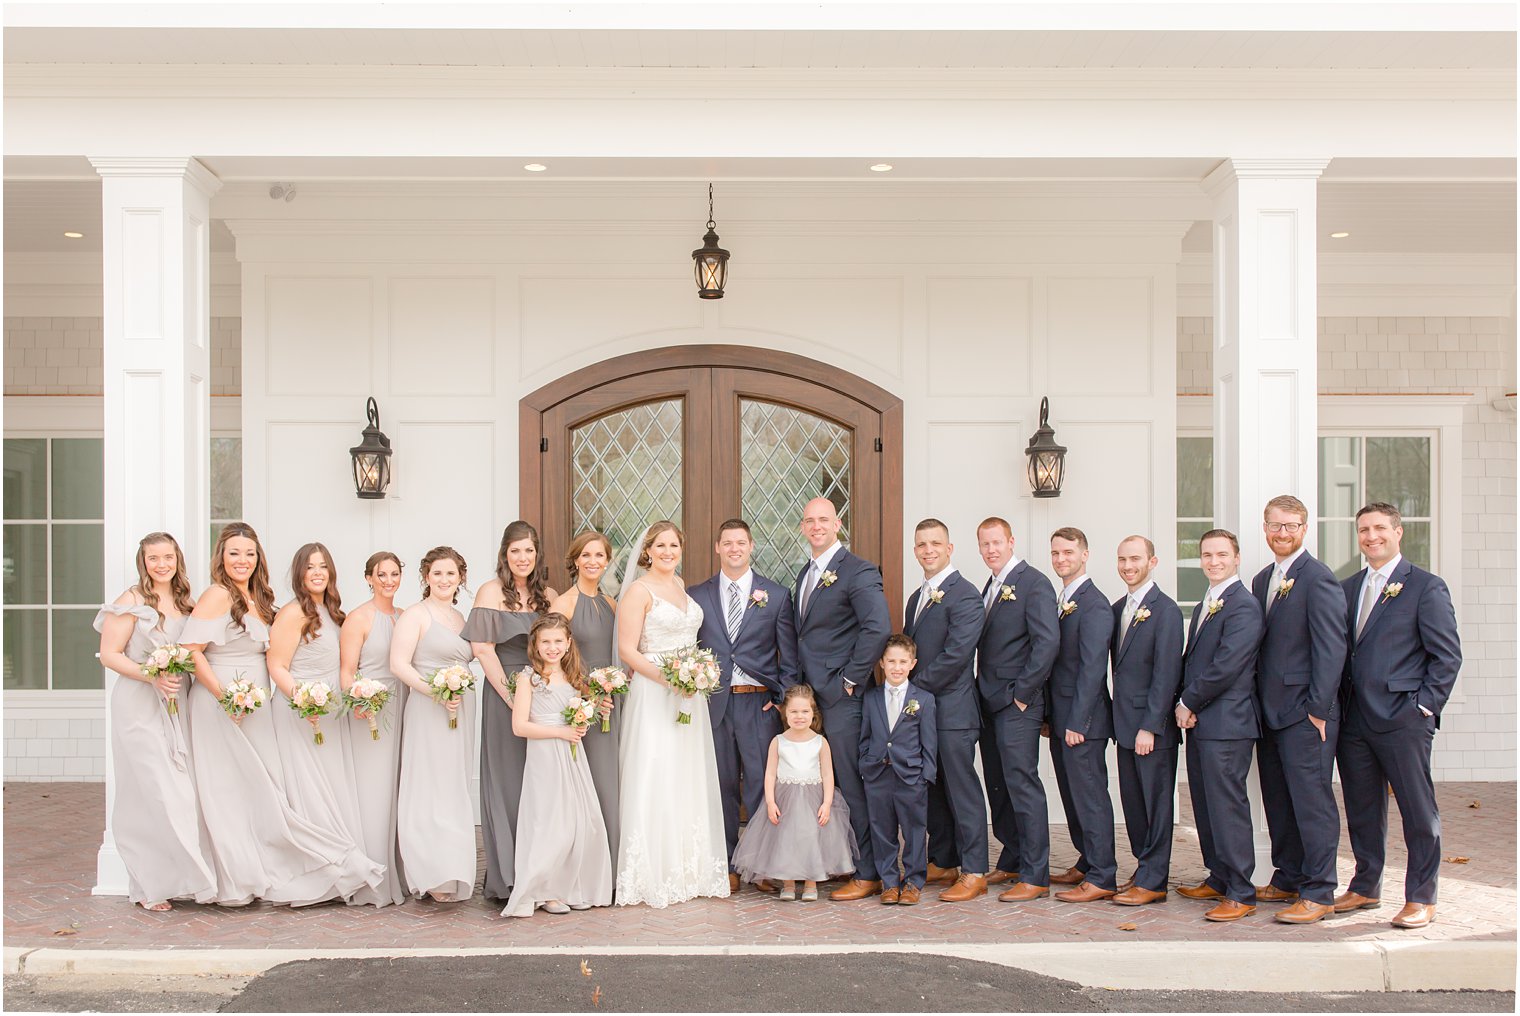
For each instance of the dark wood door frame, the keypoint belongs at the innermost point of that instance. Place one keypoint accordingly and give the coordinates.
(658, 373)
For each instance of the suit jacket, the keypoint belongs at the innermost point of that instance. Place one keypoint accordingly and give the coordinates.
(1219, 667)
(1303, 644)
(1147, 670)
(766, 647)
(946, 634)
(845, 629)
(1019, 641)
(1409, 653)
(911, 747)
(1079, 680)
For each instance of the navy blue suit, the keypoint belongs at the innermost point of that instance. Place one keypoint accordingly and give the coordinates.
(840, 637)
(1079, 702)
(946, 634)
(1298, 675)
(1219, 685)
(766, 650)
(1147, 667)
(1408, 656)
(897, 765)
(1018, 647)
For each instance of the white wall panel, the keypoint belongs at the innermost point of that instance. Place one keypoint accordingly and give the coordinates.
(979, 336)
(318, 335)
(310, 498)
(440, 495)
(1107, 493)
(442, 336)
(560, 320)
(1099, 335)
(969, 479)
(860, 317)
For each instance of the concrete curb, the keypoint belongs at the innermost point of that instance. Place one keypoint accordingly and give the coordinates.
(1341, 966)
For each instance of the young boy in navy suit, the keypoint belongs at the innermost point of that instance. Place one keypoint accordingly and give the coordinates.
(898, 745)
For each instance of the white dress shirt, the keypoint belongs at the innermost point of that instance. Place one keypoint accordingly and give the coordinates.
(1069, 591)
(745, 584)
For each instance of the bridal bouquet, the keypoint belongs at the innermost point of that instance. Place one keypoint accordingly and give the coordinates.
(369, 695)
(449, 683)
(241, 697)
(579, 713)
(605, 683)
(168, 659)
(311, 699)
(690, 671)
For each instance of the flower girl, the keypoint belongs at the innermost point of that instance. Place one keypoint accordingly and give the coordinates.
(562, 860)
(808, 833)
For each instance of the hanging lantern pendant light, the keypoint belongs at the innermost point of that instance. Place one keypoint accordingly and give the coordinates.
(711, 261)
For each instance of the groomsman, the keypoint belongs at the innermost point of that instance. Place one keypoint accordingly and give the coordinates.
(1147, 662)
(1405, 654)
(1298, 676)
(944, 618)
(747, 622)
(1017, 649)
(842, 626)
(1218, 710)
(1081, 721)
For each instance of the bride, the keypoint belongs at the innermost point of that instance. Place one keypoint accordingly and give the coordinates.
(671, 846)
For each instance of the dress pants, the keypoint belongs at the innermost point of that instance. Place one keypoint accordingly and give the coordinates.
(1302, 816)
(1217, 785)
(1082, 779)
(1146, 786)
(898, 806)
(742, 742)
(957, 806)
(1015, 735)
(1004, 824)
(1369, 762)
(841, 725)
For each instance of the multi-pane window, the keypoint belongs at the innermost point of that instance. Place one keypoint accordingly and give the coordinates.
(1195, 515)
(226, 483)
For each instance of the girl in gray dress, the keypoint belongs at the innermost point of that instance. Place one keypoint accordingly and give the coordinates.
(497, 629)
(154, 819)
(365, 649)
(592, 613)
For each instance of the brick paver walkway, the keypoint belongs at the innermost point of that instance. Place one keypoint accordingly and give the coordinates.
(52, 831)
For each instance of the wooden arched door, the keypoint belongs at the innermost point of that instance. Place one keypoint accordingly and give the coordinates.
(699, 434)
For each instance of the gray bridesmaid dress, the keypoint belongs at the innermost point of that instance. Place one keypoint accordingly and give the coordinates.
(561, 843)
(502, 753)
(154, 819)
(377, 766)
(592, 627)
(260, 847)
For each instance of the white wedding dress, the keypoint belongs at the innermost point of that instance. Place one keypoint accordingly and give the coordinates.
(671, 846)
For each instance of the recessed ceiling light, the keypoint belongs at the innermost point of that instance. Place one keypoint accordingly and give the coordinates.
(535, 167)
(1339, 236)
(882, 167)
(73, 236)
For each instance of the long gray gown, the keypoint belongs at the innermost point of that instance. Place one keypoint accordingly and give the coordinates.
(260, 847)
(377, 765)
(561, 842)
(435, 819)
(154, 819)
(502, 753)
(592, 627)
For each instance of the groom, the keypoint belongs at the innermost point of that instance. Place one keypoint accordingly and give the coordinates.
(842, 628)
(747, 623)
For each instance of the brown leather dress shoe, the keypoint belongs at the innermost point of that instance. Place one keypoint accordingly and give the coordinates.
(1070, 876)
(889, 896)
(998, 876)
(967, 887)
(1085, 893)
(1127, 885)
(909, 896)
(1229, 910)
(1023, 892)
(1135, 896)
(1348, 901)
(1304, 912)
(1415, 915)
(938, 874)
(733, 883)
(765, 885)
(855, 889)
(1270, 893)
(1201, 891)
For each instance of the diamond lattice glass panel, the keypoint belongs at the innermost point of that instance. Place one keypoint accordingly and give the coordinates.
(625, 474)
(787, 457)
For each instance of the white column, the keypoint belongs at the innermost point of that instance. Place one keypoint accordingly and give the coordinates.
(155, 229)
(1265, 361)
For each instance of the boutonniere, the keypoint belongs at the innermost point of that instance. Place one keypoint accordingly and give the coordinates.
(1141, 614)
(759, 598)
(1068, 607)
(936, 595)
(828, 578)
(1007, 595)
(1284, 589)
(1392, 589)
(1215, 606)
(912, 707)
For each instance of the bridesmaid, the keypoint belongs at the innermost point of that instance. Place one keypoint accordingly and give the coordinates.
(260, 847)
(505, 608)
(303, 646)
(365, 650)
(154, 817)
(435, 819)
(591, 614)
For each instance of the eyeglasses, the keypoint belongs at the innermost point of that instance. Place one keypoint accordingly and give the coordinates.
(1285, 527)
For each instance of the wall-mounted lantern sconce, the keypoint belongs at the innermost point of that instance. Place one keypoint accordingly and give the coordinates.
(372, 457)
(711, 261)
(1047, 460)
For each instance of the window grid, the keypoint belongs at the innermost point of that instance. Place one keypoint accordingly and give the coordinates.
(1349, 521)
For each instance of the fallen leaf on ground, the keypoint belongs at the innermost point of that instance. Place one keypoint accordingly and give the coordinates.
(1476, 804)
(66, 931)
(1127, 926)
(596, 996)
(1456, 860)
(585, 968)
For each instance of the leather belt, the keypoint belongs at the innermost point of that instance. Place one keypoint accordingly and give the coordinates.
(746, 689)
